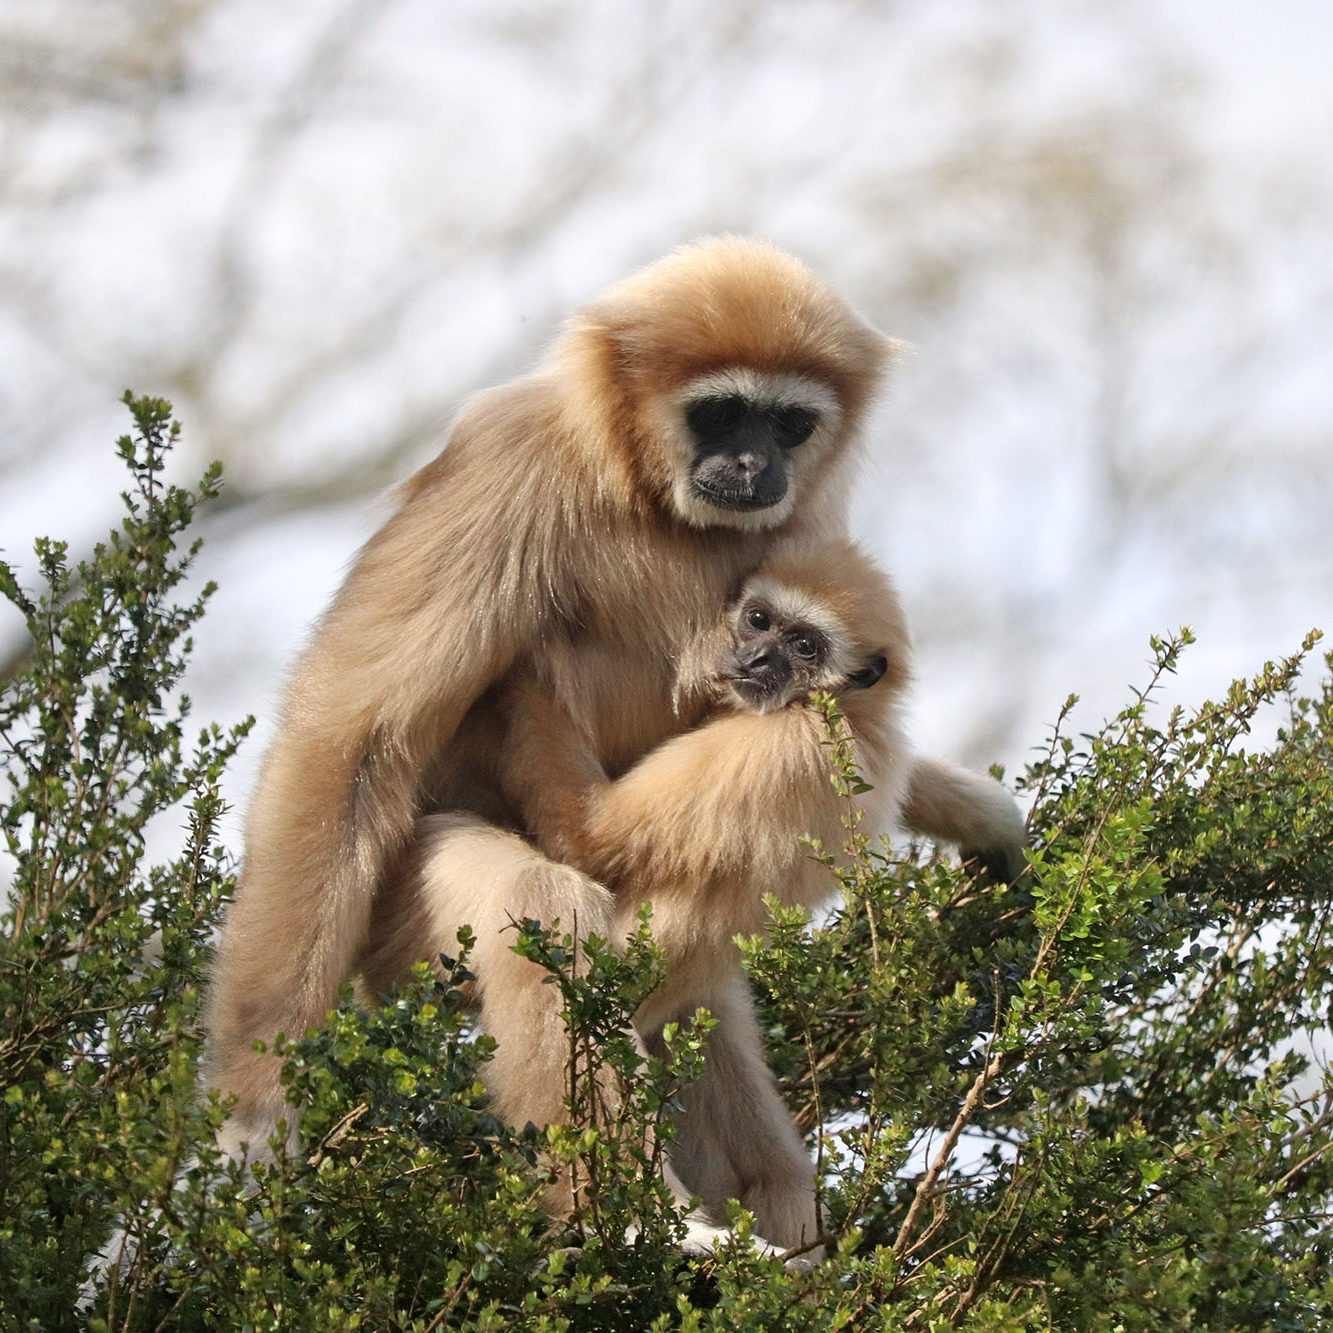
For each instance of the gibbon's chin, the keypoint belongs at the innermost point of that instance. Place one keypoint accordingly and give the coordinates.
(756, 698)
(737, 502)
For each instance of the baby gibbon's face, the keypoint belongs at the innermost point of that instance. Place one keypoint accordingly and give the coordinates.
(784, 648)
(774, 660)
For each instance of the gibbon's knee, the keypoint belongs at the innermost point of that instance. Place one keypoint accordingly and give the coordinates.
(466, 871)
(469, 872)
(472, 872)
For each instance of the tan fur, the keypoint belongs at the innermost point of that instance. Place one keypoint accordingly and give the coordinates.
(549, 538)
(701, 829)
(708, 823)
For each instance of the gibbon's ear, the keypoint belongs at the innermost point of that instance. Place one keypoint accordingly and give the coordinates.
(870, 673)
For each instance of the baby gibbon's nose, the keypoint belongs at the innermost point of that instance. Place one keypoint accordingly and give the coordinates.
(765, 662)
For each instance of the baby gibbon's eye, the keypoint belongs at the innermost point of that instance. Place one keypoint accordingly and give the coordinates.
(757, 619)
(807, 646)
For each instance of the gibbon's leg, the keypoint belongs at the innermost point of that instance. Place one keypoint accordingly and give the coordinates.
(947, 802)
(736, 1138)
(470, 872)
(693, 830)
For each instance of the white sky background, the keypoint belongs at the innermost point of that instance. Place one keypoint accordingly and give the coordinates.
(1105, 227)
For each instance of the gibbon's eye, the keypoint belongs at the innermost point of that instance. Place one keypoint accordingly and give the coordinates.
(757, 619)
(710, 418)
(806, 646)
(793, 425)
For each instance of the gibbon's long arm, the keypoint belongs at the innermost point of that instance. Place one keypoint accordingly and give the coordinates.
(733, 797)
(728, 800)
(432, 614)
(549, 765)
(972, 810)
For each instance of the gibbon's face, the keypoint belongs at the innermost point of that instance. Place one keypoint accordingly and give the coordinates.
(785, 646)
(743, 442)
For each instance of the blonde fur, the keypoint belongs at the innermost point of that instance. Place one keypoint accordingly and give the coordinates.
(550, 538)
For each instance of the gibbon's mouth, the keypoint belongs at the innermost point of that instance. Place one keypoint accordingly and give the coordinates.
(753, 691)
(738, 501)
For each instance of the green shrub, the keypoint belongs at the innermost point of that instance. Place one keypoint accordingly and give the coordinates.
(1081, 1102)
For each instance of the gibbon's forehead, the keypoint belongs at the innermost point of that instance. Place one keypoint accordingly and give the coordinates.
(732, 302)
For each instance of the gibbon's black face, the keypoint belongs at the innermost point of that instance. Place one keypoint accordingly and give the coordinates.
(743, 448)
(781, 653)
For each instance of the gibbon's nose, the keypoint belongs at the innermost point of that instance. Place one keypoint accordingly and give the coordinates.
(749, 478)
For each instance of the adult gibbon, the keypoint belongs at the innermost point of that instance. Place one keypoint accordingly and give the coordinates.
(599, 511)
(582, 528)
(705, 825)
